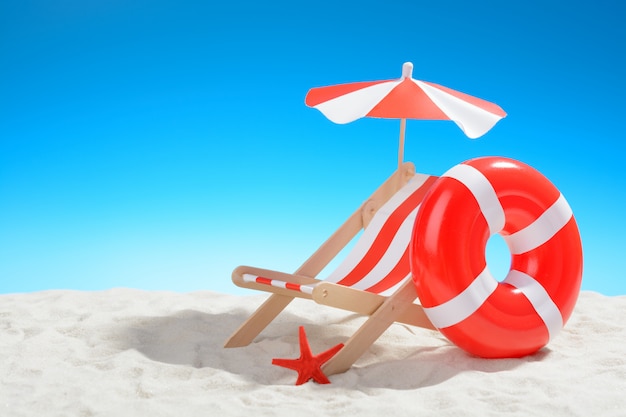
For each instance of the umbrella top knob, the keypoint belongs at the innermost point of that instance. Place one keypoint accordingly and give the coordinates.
(407, 70)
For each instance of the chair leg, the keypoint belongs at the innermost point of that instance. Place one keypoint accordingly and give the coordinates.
(258, 321)
(371, 330)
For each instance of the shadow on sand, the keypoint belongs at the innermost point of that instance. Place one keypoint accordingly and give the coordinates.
(195, 339)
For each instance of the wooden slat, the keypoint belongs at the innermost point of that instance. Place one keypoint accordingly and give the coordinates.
(365, 303)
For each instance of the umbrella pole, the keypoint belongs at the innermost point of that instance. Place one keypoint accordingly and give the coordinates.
(401, 144)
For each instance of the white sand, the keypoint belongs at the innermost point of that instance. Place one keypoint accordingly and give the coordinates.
(137, 353)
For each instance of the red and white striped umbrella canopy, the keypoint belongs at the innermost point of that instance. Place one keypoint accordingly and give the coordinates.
(405, 98)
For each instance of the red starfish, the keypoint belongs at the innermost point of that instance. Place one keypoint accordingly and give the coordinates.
(308, 366)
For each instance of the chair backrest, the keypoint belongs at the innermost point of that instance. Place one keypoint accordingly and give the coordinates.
(379, 260)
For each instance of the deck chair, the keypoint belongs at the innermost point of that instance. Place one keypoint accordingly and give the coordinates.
(373, 280)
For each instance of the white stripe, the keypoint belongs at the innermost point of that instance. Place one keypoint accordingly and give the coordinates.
(541, 230)
(368, 236)
(483, 192)
(473, 120)
(392, 257)
(249, 278)
(464, 304)
(278, 283)
(539, 298)
(307, 289)
(349, 107)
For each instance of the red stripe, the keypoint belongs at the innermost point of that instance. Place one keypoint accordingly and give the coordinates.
(398, 273)
(383, 240)
(292, 286)
(262, 280)
(407, 101)
(320, 95)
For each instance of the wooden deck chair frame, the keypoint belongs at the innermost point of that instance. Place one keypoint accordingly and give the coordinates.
(382, 310)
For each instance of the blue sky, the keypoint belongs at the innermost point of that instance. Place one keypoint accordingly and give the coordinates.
(159, 144)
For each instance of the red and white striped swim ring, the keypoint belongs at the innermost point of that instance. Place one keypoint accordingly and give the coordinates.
(468, 204)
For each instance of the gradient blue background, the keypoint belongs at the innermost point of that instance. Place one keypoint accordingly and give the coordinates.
(159, 144)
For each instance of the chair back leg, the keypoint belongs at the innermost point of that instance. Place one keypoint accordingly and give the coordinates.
(258, 321)
(374, 326)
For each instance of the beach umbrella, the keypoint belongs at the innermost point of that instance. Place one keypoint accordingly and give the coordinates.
(405, 98)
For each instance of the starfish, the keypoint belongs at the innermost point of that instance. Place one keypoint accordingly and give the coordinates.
(308, 366)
